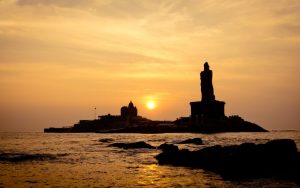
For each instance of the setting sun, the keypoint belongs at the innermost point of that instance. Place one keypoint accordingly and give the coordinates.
(151, 105)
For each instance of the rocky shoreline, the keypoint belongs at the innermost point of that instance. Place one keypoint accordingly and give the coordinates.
(277, 159)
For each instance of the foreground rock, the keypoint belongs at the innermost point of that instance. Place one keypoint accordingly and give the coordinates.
(168, 148)
(106, 140)
(133, 145)
(197, 141)
(275, 159)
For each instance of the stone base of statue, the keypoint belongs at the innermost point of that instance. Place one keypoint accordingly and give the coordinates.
(205, 110)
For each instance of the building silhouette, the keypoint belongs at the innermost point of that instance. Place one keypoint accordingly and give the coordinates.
(129, 111)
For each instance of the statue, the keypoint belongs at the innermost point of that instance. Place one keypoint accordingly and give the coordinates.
(207, 88)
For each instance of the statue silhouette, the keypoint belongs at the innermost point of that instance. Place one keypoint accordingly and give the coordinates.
(208, 107)
(207, 88)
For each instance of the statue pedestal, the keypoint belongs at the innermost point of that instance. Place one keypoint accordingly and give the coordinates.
(201, 110)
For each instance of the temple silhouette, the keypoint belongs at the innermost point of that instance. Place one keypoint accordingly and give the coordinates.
(207, 116)
(129, 111)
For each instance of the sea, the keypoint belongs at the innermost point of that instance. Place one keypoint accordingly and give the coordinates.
(81, 160)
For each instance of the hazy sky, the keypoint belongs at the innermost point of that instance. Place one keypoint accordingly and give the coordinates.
(60, 58)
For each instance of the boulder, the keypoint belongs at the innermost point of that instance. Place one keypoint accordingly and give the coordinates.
(197, 141)
(105, 140)
(168, 147)
(133, 145)
(118, 145)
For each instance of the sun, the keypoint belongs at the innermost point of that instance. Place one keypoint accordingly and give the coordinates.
(151, 105)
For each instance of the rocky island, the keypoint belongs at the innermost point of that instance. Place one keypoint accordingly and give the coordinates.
(207, 116)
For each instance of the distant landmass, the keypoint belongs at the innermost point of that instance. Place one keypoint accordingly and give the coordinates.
(207, 116)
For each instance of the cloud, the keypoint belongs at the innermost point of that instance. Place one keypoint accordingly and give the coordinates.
(59, 3)
(89, 47)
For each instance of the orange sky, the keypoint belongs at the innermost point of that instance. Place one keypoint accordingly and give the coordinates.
(60, 58)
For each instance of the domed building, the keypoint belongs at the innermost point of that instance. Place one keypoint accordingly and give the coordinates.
(129, 111)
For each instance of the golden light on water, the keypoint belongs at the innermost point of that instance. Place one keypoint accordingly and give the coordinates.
(151, 105)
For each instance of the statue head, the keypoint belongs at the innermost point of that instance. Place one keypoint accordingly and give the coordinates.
(206, 66)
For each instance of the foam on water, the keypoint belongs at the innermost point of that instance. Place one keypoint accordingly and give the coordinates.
(19, 157)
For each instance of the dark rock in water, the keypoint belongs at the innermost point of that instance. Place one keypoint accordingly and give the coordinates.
(168, 147)
(20, 157)
(133, 145)
(118, 145)
(275, 159)
(105, 140)
(197, 141)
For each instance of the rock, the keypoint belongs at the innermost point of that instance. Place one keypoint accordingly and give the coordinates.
(168, 147)
(105, 140)
(133, 145)
(118, 145)
(197, 141)
(275, 159)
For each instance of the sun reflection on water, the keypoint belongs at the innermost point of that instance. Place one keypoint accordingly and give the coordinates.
(150, 174)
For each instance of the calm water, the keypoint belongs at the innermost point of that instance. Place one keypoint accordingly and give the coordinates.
(80, 160)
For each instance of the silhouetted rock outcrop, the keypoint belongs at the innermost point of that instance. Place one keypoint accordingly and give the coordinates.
(133, 145)
(105, 140)
(275, 159)
(197, 141)
(168, 148)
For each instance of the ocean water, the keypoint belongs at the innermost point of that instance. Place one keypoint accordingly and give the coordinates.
(80, 160)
